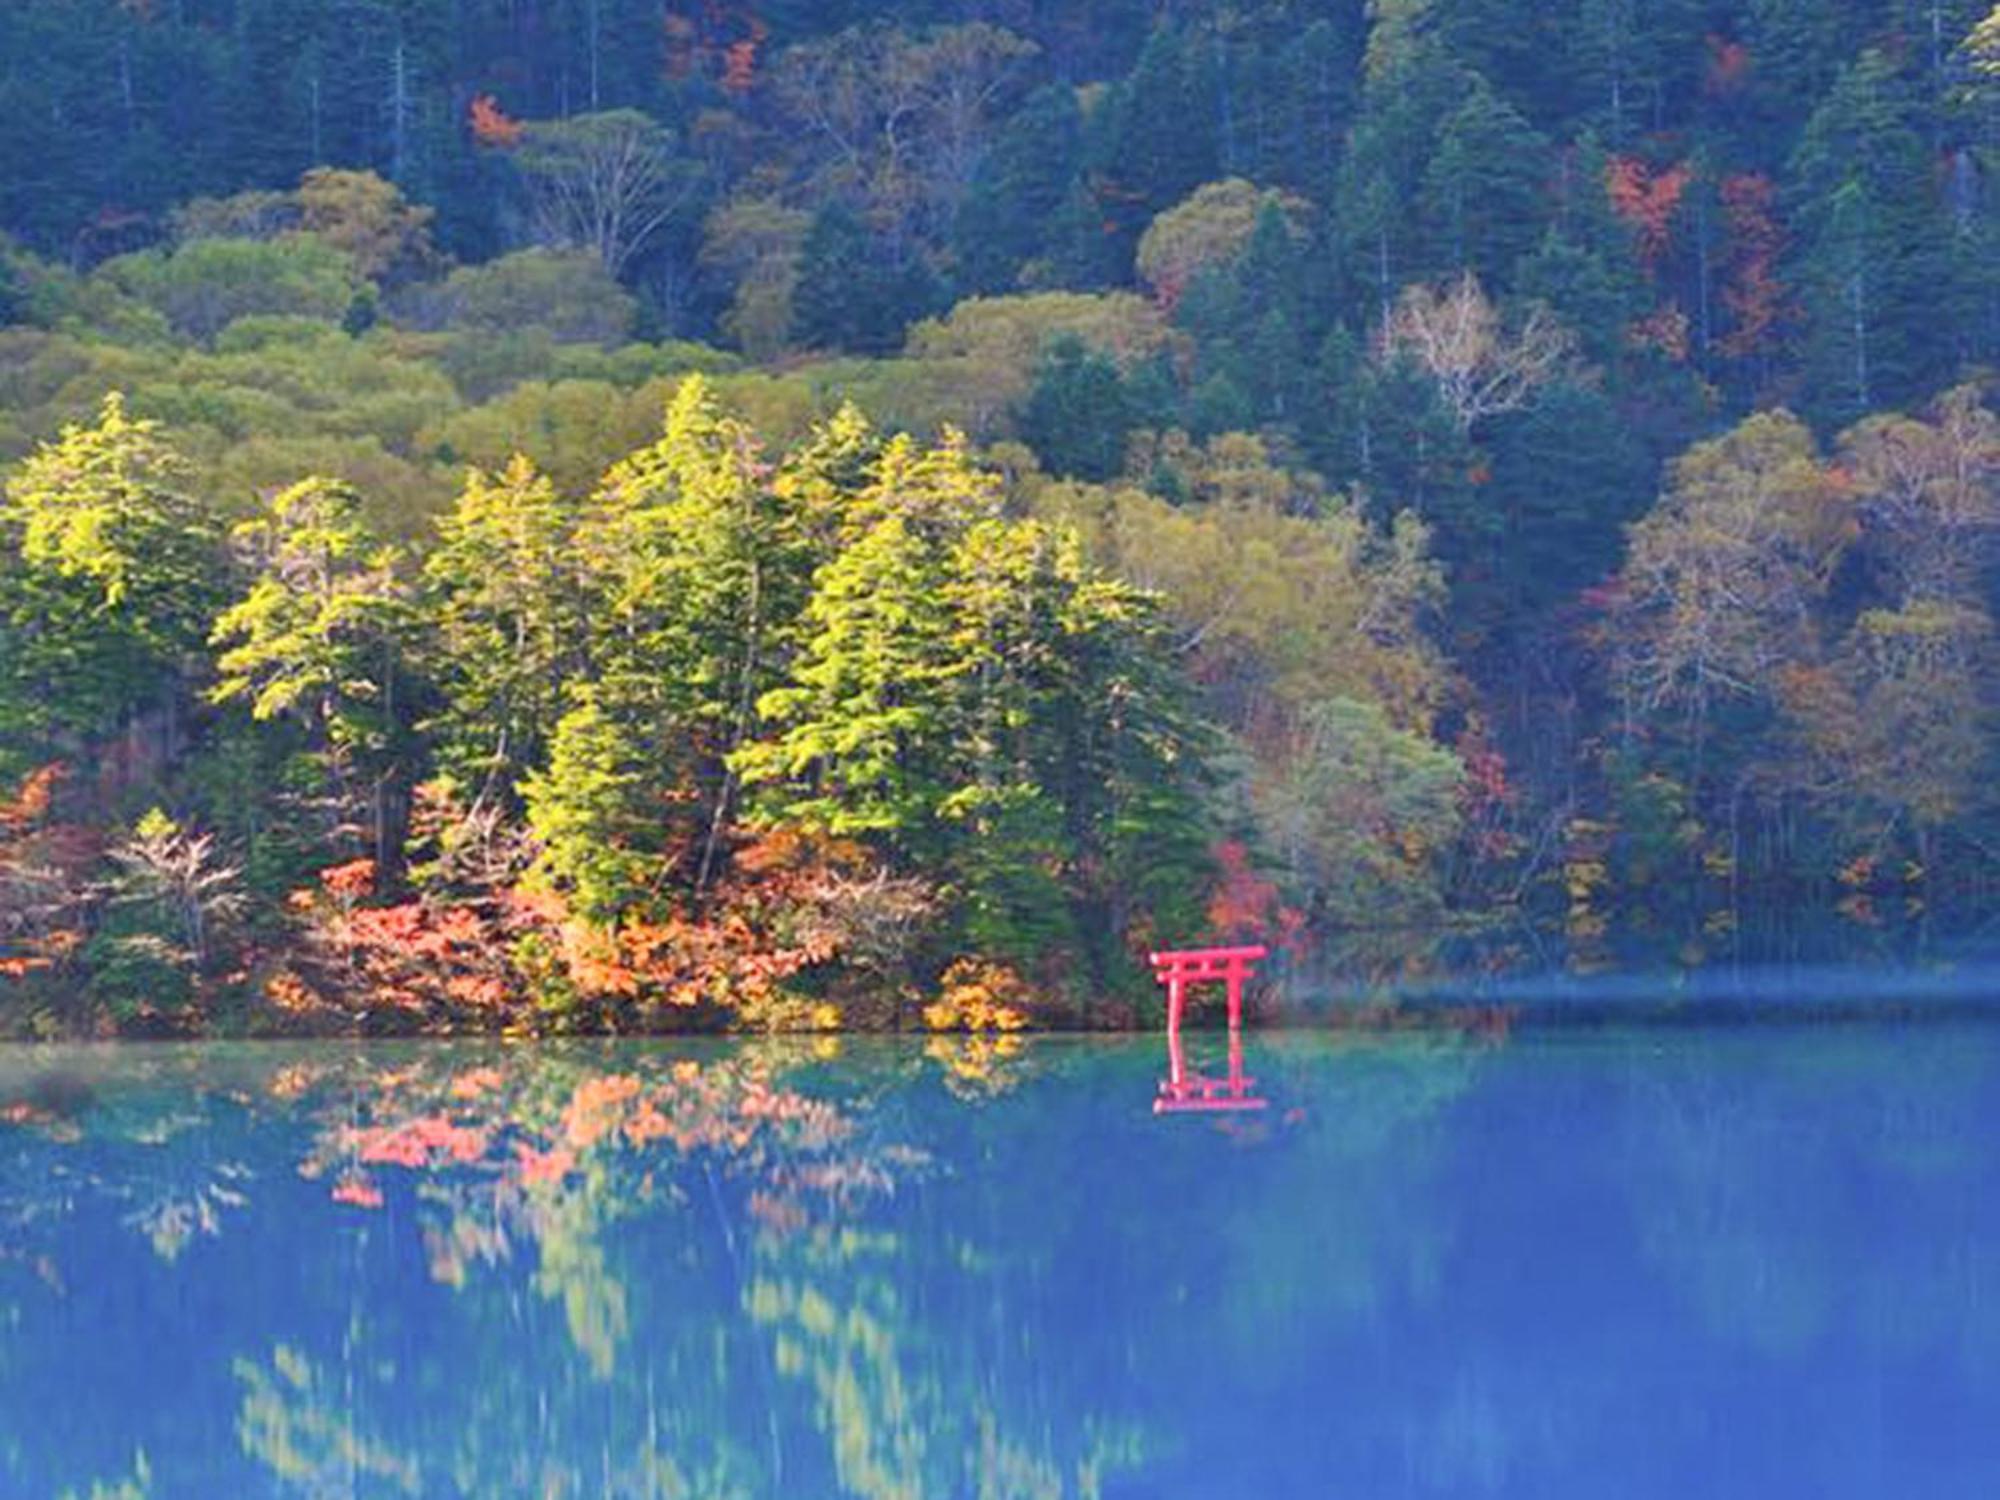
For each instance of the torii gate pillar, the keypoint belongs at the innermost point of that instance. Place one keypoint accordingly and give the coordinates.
(1177, 969)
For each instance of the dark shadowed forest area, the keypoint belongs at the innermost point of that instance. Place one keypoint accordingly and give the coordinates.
(613, 515)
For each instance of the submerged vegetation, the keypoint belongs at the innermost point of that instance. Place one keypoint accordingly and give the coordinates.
(873, 515)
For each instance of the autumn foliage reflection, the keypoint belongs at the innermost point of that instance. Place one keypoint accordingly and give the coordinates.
(516, 1135)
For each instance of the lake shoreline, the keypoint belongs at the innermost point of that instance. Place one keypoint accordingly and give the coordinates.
(1487, 1019)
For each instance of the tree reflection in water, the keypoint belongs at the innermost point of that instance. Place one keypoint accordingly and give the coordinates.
(694, 1226)
(1443, 1263)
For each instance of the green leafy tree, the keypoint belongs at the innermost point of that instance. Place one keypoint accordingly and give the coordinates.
(896, 120)
(316, 638)
(1362, 814)
(359, 213)
(203, 286)
(387, 236)
(1484, 193)
(992, 348)
(598, 816)
(1906, 731)
(108, 571)
(1318, 77)
(697, 573)
(820, 476)
(1721, 578)
(1088, 248)
(1079, 414)
(969, 695)
(1250, 316)
(856, 291)
(862, 734)
(860, 738)
(1412, 87)
(1018, 189)
(1567, 475)
(753, 242)
(1590, 285)
(569, 294)
(12, 299)
(1008, 585)
(1154, 137)
(1869, 242)
(1208, 229)
(1802, 50)
(1128, 760)
(1929, 494)
(1983, 42)
(508, 624)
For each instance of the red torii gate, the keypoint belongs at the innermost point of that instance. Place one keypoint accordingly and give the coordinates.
(1177, 969)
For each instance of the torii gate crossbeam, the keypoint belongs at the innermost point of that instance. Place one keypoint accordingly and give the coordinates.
(1177, 969)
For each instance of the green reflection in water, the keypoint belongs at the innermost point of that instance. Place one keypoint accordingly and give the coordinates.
(1441, 1263)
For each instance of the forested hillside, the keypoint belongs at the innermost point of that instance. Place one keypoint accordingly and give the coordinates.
(602, 513)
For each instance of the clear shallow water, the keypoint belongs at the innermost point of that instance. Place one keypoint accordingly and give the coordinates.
(1762, 1262)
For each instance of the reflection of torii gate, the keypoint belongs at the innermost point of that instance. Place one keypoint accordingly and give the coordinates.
(1180, 1089)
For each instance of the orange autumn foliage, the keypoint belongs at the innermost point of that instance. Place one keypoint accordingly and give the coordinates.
(783, 851)
(47, 878)
(292, 1082)
(1487, 795)
(470, 1085)
(491, 126)
(476, 947)
(597, 1108)
(292, 995)
(425, 1141)
(1728, 67)
(350, 881)
(778, 1214)
(685, 962)
(543, 1166)
(1664, 329)
(721, 38)
(739, 66)
(358, 1192)
(1751, 290)
(435, 963)
(805, 1159)
(975, 995)
(790, 904)
(1244, 906)
(1646, 200)
(30, 804)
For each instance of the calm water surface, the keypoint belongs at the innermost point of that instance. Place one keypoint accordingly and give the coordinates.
(1567, 1263)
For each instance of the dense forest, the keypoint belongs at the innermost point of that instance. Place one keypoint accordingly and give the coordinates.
(568, 514)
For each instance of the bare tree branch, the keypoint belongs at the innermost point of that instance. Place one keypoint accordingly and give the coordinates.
(1453, 333)
(606, 183)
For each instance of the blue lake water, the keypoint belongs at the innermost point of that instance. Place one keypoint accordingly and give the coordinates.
(1566, 1262)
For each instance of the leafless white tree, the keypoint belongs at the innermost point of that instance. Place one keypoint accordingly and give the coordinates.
(1455, 334)
(606, 183)
(1930, 493)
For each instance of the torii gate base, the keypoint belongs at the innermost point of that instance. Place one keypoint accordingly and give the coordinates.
(1182, 1090)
